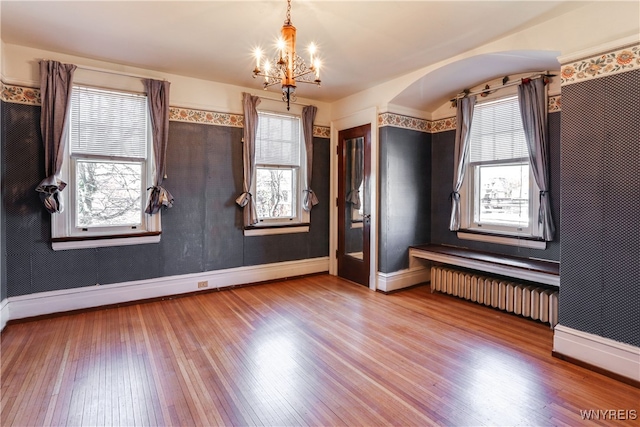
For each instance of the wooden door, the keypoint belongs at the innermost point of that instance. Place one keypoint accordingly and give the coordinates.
(354, 204)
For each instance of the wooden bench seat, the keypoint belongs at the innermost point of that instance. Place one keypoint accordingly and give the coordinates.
(532, 270)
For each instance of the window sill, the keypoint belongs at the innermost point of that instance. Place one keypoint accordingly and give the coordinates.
(65, 243)
(268, 231)
(503, 240)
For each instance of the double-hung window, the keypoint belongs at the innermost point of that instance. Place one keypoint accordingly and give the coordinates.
(108, 168)
(280, 171)
(499, 185)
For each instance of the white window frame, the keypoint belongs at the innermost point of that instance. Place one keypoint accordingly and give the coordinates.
(64, 232)
(495, 233)
(299, 223)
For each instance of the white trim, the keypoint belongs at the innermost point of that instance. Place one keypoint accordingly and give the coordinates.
(266, 231)
(4, 313)
(388, 282)
(600, 49)
(512, 241)
(100, 295)
(103, 243)
(613, 356)
(489, 267)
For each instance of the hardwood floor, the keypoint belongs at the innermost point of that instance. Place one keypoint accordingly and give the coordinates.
(311, 351)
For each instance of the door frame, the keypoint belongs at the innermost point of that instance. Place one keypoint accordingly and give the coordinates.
(368, 116)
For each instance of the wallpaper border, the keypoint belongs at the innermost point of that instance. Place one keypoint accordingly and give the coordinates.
(19, 94)
(31, 96)
(434, 126)
(613, 62)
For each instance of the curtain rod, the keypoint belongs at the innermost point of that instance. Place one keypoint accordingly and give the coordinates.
(539, 75)
(105, 71)
(117, 73)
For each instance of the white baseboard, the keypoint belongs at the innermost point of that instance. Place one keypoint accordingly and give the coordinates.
(43, 303)
(388, 282)
(613, 356)
(4, 313)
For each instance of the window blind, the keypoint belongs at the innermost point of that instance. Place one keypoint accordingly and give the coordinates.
(496, 132)
(278, 140)
(107, 123)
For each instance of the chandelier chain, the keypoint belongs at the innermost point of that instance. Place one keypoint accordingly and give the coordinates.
(288, 20)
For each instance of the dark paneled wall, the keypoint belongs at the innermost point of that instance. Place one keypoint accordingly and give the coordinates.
(202, 232)
(600, 271)
(442, 183)
(405, 195)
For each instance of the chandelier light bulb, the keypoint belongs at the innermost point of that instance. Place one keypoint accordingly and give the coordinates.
(281, 48)
(312, 51)
(258, 54)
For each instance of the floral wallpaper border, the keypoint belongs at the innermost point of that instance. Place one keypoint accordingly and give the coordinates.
(442, 125)
(31, 96)
(19, 94)
(397, 120)
(322, 131)
(555, 104)
(178, 114)
(615, 62)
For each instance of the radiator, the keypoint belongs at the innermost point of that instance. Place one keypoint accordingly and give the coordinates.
(531, 301)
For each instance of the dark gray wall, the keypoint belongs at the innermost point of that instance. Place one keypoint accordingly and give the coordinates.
(3, 251)
(600, 270)
(405, 195)
(441, 186)
(202, 232)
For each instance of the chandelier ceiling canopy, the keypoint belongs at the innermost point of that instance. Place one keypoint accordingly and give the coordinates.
(286, 67)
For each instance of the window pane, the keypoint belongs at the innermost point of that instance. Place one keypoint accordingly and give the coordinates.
(502, 195)
(275, 195)
(108, 194)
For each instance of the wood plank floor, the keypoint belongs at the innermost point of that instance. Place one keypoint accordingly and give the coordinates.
(311, 351)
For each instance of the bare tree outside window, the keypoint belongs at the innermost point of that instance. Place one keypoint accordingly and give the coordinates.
(108, 194)
(275, 193)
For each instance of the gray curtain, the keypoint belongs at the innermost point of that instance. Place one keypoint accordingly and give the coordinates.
(464, 116)
(357, 171)
(308, 115)
(245, 200)
(532, 99)
(158, 99)
(56, 82)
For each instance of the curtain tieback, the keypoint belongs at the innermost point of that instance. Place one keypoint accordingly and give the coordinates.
(158, 198)
(310, 198)
(454, 195)
(50, 193)
(543, 193)
(243, 199)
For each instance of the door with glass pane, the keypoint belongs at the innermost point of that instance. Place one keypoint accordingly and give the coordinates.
(354, 214)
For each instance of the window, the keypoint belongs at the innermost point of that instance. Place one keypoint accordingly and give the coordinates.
(108, 168)
(280, 170)
(498, 187)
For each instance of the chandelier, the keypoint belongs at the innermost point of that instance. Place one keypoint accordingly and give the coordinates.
(287, 67)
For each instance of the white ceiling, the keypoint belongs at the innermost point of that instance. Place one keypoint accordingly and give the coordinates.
(362, 43)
